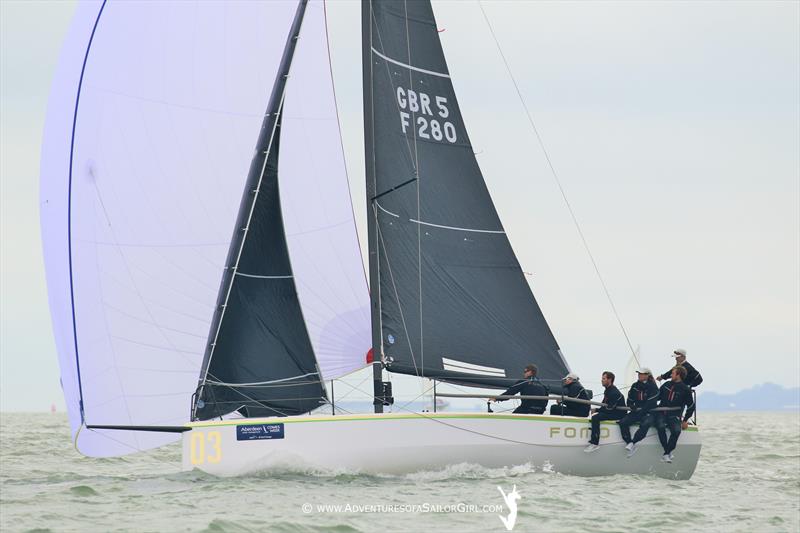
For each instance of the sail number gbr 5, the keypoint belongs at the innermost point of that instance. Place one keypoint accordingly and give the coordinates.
(411, 102)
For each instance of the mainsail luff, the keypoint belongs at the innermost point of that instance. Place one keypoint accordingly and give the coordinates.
(373, 247)
(268, 365)
(445, 281)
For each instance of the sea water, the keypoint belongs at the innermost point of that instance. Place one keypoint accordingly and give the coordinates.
(748, 479)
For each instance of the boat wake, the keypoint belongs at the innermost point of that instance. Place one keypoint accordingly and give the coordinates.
(286, 468)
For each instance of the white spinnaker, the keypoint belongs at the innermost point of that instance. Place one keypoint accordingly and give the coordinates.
(317, 209)
(171, 102)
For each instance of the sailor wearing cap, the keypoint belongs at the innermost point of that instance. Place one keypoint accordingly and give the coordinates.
(642, 397)
(693, 377)
(572, 388)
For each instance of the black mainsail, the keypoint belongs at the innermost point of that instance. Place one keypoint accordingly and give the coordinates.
(259, 359)
(449, 299)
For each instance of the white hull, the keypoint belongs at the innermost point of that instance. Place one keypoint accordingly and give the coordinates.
(402, 443)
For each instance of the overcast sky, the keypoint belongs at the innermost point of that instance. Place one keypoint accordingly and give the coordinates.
(674, 128)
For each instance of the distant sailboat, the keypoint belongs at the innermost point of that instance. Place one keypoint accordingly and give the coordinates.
(175, 248)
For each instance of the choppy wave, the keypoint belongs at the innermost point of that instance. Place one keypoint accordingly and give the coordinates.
(748, 479)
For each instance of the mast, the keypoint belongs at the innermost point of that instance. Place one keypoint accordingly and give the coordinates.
(372, 214)
(369, 158)
(262, 175)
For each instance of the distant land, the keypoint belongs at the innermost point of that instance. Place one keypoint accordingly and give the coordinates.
(764, 397)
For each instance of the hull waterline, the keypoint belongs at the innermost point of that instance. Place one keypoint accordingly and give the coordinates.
(404, 443)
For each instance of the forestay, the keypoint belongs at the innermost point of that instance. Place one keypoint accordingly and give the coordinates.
(317, 209)
(259, 360)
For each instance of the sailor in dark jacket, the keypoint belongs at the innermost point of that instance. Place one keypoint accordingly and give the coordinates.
(611, 399)
(693, 377)
(530, 386)
(642, 397)
(572, 388)
(674, 395)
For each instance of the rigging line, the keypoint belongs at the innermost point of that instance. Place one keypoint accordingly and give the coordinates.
(419, 211)
(417, 397)
(341, 139)
(345, 395)
(323, 401)
(558, 182)
(257, 402)
(397, 296)
(434, 418)
(358, 389)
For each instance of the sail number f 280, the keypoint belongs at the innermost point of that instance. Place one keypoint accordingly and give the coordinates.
(429, 115)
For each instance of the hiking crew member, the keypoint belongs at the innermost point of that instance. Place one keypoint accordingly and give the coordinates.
(693, 377)
(572, 388)
(612, 399)
(677, 395)
(642, 397)
(530, 386)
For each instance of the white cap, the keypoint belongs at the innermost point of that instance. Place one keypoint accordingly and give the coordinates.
(572, 375)
(644, 370)
(679, 352)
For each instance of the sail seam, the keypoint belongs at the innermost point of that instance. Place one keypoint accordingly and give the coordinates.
(410, 67)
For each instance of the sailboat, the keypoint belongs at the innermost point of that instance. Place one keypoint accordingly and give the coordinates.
(203, 262)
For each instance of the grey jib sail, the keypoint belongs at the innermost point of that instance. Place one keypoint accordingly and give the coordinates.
(449, 299)
(260, 360)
